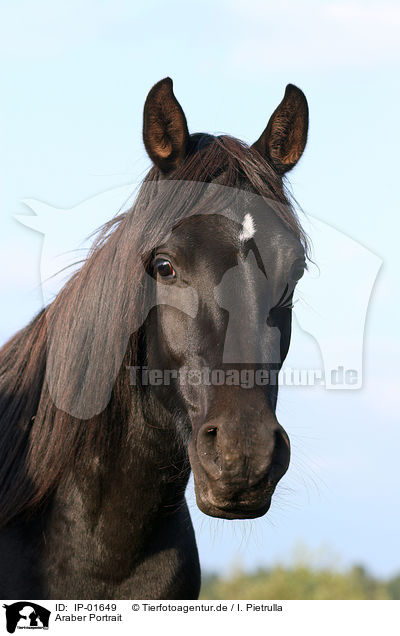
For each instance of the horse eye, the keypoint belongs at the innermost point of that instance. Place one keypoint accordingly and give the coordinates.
(164, 268)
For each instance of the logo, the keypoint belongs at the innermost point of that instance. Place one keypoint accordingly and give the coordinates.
(330, 302)
(26, 615)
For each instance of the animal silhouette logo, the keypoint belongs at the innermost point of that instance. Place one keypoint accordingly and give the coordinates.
(330, 303)
(26, 615)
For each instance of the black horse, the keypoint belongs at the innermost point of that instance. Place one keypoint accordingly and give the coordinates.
(98, 428)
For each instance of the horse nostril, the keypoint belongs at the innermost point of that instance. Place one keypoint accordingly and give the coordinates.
(208, 451)
(280, 457)
(270, 321)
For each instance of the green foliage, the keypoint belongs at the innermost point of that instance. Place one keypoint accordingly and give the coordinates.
(300, 581)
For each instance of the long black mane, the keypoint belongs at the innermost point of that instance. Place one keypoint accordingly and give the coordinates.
(41, 443)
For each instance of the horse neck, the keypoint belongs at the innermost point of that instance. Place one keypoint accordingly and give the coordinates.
(143, 471)
(126, 499)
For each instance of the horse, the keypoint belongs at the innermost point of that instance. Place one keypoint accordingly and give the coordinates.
(97, 445)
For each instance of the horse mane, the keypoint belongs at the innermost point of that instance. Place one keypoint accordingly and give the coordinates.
(41, 442)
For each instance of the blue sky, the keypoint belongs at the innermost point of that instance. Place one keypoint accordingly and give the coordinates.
(75, 76)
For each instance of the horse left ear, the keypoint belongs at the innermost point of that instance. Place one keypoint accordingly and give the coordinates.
(284, 139)
(165, 131)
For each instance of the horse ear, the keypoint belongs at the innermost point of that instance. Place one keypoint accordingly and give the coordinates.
(284, 139)
(165, 131)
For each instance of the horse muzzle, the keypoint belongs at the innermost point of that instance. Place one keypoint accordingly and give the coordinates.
(238, 463)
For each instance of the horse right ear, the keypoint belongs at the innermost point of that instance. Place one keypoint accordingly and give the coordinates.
(165, 131)
(284, 139)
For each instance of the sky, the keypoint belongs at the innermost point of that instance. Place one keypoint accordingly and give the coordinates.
(74, 78)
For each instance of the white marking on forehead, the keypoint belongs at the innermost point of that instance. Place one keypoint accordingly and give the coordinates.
(248, 228)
